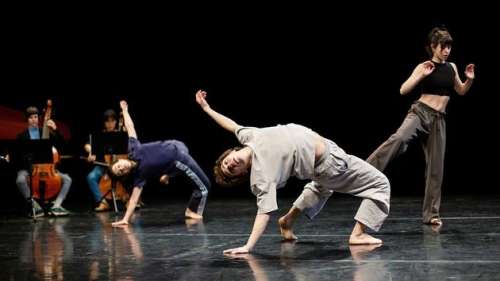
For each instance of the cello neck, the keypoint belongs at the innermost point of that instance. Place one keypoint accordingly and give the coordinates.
(121, 123)
(46, 118)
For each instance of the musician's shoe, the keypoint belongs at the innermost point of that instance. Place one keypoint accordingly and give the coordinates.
(58, 211)
(36, 211)
(103, 206)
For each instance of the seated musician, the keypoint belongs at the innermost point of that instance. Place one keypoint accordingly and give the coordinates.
(33, 132)
(95, 176)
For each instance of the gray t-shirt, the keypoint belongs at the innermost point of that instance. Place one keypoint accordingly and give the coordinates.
(278, 153)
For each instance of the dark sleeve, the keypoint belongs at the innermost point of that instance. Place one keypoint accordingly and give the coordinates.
(56, 138)
(22, 161)
(139, 182)
(133, 148)
(22, 135)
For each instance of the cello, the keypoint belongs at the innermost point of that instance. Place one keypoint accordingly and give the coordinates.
(106, 182)
(45, 181)
(118, 191)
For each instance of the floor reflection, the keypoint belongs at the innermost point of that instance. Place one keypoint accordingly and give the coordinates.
(161, 245)
(46, 248)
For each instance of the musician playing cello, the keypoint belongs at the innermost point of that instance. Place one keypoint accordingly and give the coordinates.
(98, 180)
(34, 132)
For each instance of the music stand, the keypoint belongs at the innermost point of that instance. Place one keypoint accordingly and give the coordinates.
(109, 143)
(29, 152)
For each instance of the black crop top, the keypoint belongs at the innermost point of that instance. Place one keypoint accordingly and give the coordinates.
(441, 81)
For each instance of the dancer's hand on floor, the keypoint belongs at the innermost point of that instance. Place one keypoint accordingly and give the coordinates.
(121, 223)
(238, 256)
(240, 250)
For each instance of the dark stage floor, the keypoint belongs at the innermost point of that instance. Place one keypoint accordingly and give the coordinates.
(161, 245)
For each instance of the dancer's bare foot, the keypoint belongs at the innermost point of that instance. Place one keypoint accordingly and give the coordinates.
(436, 221)
(192, 222)
(192, 215)
(286, 229)
(358, 252)
(363, 239)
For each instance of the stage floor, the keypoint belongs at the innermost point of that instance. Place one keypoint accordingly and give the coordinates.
(161, 245)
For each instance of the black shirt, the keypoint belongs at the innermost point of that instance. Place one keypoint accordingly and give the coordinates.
(441, 81)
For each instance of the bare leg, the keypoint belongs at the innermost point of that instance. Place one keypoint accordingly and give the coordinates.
(360, 237)
(192, 215)
(286, 223)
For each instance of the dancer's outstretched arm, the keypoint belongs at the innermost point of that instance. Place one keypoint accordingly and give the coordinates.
(222, 120)
(129, 124)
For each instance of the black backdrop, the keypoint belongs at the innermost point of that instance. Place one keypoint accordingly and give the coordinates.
(339, 76)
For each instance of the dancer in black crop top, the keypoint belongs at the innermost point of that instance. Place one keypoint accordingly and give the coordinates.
(441, 81)
(437, 79)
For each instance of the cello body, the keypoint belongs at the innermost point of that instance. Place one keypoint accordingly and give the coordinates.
(45, 181)
(106, 183)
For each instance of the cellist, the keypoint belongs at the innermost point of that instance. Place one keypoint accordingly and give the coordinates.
(98, 172)
(34, 132)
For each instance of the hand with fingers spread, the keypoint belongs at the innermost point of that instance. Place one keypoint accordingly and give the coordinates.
(236, 251)
(121, 223)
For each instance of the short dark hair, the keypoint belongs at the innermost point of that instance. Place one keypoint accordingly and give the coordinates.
(109, 114)
(222, 179)
(30, 110)
(438, 35)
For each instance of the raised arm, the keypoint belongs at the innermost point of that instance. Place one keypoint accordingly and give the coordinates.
(220, 119)
(129, 124)
(463, 87)
(420, 72)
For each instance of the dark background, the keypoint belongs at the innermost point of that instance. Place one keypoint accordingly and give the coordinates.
(336, 71)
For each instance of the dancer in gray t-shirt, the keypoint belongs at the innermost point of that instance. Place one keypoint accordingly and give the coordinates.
(272, 155)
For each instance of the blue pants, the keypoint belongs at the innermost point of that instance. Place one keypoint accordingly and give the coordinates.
(186, 165)
(93, 179)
